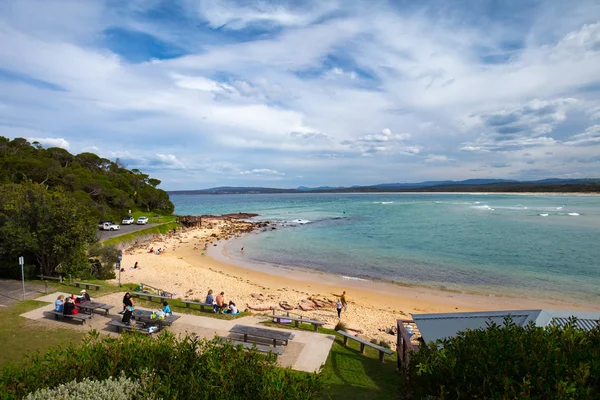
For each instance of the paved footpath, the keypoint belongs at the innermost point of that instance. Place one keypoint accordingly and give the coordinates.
(306, 352)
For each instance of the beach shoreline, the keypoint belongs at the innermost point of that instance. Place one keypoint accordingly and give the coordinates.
(373, 305)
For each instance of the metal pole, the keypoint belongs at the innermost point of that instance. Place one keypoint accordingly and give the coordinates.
(119, 267)
(22, 262)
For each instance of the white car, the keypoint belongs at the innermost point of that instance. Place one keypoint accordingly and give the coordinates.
(128, 221)
(142, 221)
(109, 226)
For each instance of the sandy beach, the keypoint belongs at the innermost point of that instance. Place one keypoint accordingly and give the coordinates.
(183, 269)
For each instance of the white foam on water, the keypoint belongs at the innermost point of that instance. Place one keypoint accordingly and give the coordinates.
(387, 202)
(573, 214)
(353, 278)
(484, 207)
(544, 214)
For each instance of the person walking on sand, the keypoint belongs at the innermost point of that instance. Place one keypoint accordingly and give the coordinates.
(343, 300)
(220, 302)
(338, 307)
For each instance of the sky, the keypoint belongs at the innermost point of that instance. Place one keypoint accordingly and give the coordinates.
(206, 93)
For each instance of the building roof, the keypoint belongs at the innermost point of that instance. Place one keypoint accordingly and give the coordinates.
(439, 326)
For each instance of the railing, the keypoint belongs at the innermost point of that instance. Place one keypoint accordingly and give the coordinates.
(403, 345)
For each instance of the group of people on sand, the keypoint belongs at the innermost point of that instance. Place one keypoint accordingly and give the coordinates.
(68, 305)
(219, 304)
(158, 252)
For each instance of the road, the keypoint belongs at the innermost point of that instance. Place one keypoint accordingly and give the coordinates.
(125, 229)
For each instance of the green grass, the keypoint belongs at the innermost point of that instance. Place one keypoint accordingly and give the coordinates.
(20, 336)
(179, 307)
(160, 229)
(153, 217)
(351, 375)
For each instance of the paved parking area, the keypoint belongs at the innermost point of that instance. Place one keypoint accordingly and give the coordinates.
(11, 291)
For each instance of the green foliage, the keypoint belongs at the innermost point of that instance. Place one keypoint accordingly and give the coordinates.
(182, 368)
(107, 188)
(47, 227)
(508, 362)
(103, 258)
(109, 389)
(160, 229)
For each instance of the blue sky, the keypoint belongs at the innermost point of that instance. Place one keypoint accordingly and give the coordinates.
(288, 93)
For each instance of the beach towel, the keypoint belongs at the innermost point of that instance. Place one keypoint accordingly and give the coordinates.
(283, 321)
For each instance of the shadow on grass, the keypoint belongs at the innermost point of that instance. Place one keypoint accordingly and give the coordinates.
(352, 375)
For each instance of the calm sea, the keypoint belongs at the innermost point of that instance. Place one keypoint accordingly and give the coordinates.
(528, 245)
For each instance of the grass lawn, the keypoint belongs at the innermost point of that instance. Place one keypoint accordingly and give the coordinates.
(154, 218)
(19, 336)
(351, 375)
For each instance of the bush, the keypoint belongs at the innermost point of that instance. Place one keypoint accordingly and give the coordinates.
(507, 362)
(182, 368)
(109, 389)
(341, 326)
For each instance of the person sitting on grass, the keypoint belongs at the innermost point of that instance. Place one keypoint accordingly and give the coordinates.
(220, 302)
(232, 309)
(59, 303)
(69, 307)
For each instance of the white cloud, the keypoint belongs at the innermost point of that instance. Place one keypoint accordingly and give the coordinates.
(261, 171)
(590, 136)
(50, 142)
(438, 158)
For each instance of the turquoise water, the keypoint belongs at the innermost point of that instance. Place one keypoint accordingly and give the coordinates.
(530, 245)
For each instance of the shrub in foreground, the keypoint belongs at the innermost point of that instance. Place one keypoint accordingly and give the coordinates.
(109, 389)
(508, 362)
(182, 368)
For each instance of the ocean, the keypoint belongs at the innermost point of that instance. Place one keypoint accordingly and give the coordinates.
(541, 246)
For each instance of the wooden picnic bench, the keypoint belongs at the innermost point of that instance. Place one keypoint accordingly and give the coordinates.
(188, 303)
(87, 285)
(259, 347)
(262, 333)
(90, 306)
(297, 320)
(363, 343)
(150, 296)
(120, 327)
(78, 317)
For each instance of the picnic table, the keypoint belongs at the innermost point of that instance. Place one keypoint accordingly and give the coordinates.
(145, 317)
(261, 333)
(88, 307)
(76, 317)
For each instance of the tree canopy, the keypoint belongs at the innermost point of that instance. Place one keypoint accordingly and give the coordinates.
(106, 187)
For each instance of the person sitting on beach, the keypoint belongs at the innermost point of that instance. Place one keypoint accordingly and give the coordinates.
(69, 307)
(166, 309)
(220, 302)
(59, 303)
(393, 330)
(158, 251)
(210, 299)
(151, 250)
(136, 266)
(127, 302)
(205, 246)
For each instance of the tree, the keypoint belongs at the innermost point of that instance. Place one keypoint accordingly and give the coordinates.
(48, 226)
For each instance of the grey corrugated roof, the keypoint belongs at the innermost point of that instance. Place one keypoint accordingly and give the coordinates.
(439, 326)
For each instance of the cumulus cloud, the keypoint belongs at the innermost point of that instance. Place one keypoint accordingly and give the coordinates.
(590, 136)
(50, 142)
(384, 142)
(438, 158)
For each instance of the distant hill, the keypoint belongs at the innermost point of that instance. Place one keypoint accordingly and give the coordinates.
(551, 185)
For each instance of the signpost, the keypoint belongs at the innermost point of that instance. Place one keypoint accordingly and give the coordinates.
(119, 258)
(22, 264)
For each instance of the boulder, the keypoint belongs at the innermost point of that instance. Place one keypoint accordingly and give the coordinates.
(286, 306)
(262, 307)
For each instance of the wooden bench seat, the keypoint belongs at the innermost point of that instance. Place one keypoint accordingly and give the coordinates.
(150, 296)
(77, 317)
(87, 285)
(188, 303)
(363, 343)
(120, 327)
(263, 348)
(298, 320)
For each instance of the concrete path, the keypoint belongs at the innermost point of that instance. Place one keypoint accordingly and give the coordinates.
(306, 352)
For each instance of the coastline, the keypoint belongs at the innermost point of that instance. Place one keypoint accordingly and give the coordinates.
(373, 305)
